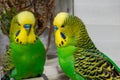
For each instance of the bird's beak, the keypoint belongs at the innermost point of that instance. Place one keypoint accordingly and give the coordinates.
(55, 28)
(28, 28)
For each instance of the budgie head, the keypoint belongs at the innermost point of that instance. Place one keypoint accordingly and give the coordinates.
(22, 28)
(68, 30)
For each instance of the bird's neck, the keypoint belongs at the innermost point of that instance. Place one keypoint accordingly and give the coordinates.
(83, 40)
(66, 51)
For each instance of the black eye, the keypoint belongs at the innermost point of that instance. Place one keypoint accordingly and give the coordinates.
(62, 26)
(18, 24)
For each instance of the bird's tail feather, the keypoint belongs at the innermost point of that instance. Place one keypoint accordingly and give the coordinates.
(5, 77)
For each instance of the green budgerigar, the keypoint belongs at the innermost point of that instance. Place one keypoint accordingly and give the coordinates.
(78, 57)
(26, 56)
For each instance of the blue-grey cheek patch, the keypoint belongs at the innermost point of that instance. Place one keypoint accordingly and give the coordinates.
(62, 35)
(17, 33)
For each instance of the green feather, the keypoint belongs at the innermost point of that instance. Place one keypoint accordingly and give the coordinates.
(77, 54)
(26, 56)
(28, 59)
(114, 64)
(67, 61)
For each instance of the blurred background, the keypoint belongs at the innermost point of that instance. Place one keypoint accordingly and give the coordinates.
(101, 17)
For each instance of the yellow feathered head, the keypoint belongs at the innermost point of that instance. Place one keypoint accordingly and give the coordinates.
(22, 28)
(67, 29)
